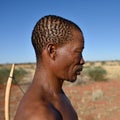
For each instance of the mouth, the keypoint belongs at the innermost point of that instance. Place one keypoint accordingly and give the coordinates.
(78, 71)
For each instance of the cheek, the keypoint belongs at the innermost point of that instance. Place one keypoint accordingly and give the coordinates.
(66, 62)
(77, 59)
(64, 65)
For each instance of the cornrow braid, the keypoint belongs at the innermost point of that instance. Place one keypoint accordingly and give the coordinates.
(51, 29)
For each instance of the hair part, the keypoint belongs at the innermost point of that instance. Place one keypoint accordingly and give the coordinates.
(51, 29)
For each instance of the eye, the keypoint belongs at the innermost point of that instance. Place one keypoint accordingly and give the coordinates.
(80, 55)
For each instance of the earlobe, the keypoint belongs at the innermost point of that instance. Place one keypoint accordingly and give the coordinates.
(51, 48)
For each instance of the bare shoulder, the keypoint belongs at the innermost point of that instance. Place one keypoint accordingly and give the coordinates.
(45, 113)
(37, 108)
(38, 112)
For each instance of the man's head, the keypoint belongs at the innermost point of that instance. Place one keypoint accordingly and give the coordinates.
(52, 29)
(58, 43)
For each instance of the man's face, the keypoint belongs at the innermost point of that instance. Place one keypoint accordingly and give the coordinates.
(69, 58)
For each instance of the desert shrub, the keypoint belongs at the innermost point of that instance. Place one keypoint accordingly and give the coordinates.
(103, 62)
(4, 73)
(96, 73)
(92, 63)
(18, 75)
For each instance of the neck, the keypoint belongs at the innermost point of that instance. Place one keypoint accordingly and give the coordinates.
(45, 80)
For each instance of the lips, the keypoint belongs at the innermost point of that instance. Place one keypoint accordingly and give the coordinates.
(78, 70)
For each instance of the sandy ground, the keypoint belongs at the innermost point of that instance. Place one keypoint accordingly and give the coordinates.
(93, 101)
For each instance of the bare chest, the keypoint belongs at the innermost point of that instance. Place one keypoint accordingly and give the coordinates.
(66, 109)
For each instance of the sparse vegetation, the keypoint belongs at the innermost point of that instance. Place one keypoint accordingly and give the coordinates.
(4, 73)
(92, 63)
(103, 62)
(18, 75)
(95, 70)
(96, 73)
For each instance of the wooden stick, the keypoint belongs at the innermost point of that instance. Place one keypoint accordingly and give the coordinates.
(7, 93)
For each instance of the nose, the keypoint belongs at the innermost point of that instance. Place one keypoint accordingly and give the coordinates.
(82, 61)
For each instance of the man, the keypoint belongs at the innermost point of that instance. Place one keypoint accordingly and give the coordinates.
(58, 45)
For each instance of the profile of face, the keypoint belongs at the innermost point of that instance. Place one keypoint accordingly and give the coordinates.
(69, 59)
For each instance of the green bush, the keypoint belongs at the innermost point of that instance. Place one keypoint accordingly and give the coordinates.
(4, 73)
(18, 75)
(103, 62)
(96, 73)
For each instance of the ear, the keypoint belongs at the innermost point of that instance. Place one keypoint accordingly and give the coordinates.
(51, 49)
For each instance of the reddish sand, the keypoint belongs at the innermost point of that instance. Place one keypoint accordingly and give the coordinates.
(93, 101)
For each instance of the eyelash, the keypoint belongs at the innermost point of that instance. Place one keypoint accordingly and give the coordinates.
(80, 55)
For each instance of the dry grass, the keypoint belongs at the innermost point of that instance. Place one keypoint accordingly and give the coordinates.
(112, 68)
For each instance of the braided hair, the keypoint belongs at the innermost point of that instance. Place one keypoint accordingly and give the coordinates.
(51, 29)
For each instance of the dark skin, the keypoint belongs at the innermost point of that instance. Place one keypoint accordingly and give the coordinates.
(45, 99)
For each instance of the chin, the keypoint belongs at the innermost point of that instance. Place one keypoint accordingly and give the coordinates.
(72, 79)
